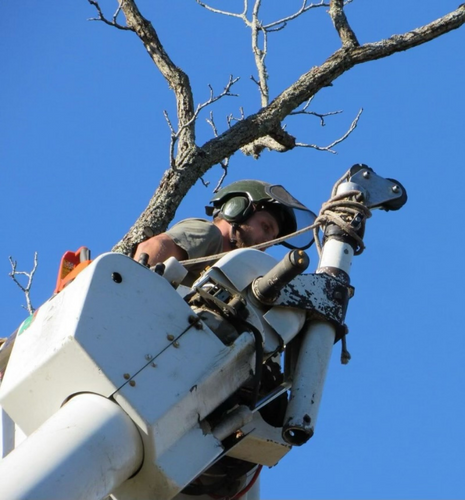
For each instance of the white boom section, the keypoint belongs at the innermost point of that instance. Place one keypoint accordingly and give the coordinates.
(114, 382)
(309, 378)
(122, 332)
(84, 451)
(314, 356)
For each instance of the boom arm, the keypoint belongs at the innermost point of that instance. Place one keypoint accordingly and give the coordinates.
(143, 392)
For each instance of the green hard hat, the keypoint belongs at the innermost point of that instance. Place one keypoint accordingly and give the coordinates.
(238, 201)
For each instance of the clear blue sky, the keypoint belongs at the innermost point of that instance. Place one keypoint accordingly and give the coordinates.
(83, 144)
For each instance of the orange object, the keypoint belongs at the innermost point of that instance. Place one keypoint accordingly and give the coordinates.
(72, 263)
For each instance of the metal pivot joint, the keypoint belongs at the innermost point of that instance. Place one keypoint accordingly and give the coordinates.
(378, 192)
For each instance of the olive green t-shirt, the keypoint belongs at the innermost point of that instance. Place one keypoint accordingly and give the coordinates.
(199, 238)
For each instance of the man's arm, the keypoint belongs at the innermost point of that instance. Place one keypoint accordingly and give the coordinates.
(159, 248)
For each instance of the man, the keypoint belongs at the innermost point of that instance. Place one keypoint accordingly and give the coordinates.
(246, 213)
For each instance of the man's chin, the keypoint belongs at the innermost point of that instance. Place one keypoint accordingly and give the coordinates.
(243, 243)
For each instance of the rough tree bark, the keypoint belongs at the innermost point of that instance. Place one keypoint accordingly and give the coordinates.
(191, 161)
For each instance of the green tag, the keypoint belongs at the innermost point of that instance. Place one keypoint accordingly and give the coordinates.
(26, 324)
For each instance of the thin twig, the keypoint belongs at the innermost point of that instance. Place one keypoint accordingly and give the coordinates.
(255, 81)
(224, 165)
(225, 162)
(211, 122)
(230, 118)
(26, 289)
(302, 10)
(321, 116)
(173, 138)
(213, 98)
(330, 147)
(224, 12)
(117, 11)
(102, 18)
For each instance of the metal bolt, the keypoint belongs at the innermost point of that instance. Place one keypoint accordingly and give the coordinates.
(153, 365)
(132, 383)
(148, 357)
(116, 277)
(195, 321)
(395, 188)
(170, 337)
(144, 259)
(176, 344)
(126, 376)
(366, 174)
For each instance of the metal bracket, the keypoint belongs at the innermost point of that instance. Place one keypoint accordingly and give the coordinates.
(319, 294)
(379, 192)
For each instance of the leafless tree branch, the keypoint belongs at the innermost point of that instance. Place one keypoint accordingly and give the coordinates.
(192, 162)
(347, 36)
(118, 10)
(259, 32)
(259, 29)
(260, 54)
(173, 139)
(230, 118)
(321, 116)
(304, 8)
(242, 15)
(213, 98)
(174, 136)
(105, 20)
(176, 78)
(30, 276)
(330, 147)
(223, 163)
(277, 140)
(211, 122)
(224, 166)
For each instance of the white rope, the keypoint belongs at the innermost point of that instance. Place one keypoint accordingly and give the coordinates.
(339, 209)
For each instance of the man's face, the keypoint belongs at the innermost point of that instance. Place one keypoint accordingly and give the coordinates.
(259, 228)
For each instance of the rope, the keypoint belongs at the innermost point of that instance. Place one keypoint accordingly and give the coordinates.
(341, 210)
(276, 241)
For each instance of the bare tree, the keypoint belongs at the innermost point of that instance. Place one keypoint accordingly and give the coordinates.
(189, 161)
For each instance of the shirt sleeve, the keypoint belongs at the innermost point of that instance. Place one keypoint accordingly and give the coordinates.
(198, 237)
